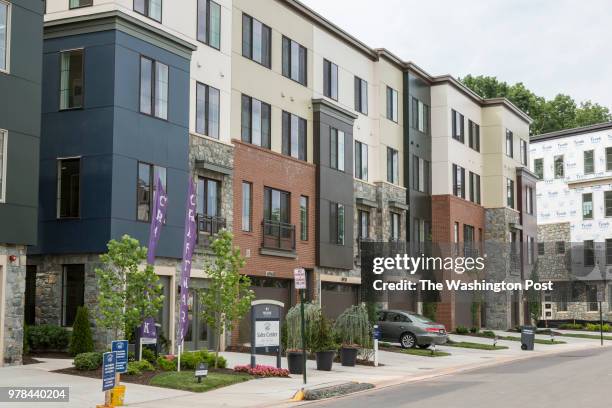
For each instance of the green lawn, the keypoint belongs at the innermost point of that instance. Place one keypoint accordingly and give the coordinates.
(586, 336)
(470, 345)
(515, 338)
(424, 352)
(185, 380)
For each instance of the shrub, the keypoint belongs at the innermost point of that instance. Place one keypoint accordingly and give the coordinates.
(47, 337)
(324, 338)
(461, 330)
(81, 340)
(488, 333)
(352, 327)
(166, 364)
(596, 327)
(88, 361)
(148, 355)
(474, 330)
(429, 310)
(137, 367)
(571, 326)
(191, 359)
(262, 371)
(293, 321)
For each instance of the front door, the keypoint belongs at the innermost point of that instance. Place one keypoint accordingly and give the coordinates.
(197, 337)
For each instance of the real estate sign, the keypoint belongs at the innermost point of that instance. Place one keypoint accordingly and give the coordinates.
(120, 348)
(109, 366)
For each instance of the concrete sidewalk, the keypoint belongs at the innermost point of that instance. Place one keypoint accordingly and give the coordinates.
(396, 368)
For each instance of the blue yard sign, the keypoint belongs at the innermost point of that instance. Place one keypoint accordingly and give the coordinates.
(120, 347)
(109, 365)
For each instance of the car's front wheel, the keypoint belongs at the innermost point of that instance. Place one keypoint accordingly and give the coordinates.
(407, 340)
(424, 346)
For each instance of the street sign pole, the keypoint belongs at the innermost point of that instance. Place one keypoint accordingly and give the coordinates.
(601, 323)
(303, 334)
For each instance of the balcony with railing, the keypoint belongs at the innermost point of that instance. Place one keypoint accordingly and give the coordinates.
(208, 226)
(278, 237)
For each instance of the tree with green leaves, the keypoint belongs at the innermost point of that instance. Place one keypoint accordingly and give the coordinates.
(129, 290)
(559, 113)
(534, 297)
(228, 297)
(81, 340)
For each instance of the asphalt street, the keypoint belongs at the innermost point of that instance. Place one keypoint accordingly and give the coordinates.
(573, 379)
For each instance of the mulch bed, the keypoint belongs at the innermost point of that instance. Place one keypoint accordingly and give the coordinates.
(50, 354)
(30, 360)
(247, 350)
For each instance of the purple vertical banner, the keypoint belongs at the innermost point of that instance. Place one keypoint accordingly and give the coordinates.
(158, 216)
(188, 246)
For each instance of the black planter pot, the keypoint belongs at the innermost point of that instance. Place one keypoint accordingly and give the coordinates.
(348, 356)
(294, 361)
(325, 359)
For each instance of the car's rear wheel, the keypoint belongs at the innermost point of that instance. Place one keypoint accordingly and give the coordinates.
(407, 340)
(424, 346)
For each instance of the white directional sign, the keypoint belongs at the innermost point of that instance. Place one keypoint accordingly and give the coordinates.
(299, 275)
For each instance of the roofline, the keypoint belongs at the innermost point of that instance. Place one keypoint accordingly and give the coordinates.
(571, 132)
(375, 54)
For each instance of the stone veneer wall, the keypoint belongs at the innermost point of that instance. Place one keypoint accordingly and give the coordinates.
(500, 266)
(14, 294)
(553, 265)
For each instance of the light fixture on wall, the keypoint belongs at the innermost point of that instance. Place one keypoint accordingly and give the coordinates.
(12, 258)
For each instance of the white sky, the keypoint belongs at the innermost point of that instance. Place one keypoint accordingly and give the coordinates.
(562, 46)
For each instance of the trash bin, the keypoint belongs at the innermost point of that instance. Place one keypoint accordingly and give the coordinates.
(527, 337)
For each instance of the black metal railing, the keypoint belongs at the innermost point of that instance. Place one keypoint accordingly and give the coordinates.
(278, 235)
(208, 226)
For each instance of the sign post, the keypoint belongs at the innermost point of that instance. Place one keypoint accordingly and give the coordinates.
(266, 328)
(147, 334)
(299, 276)
(376, 338)
(109, 366)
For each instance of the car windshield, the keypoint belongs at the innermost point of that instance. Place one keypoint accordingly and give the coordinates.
(421, 319)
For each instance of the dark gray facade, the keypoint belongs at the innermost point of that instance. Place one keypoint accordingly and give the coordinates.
(20, 118)
(417, 143)
(334, 186)
(111, 136)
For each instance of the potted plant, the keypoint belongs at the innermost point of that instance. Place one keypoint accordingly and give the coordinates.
(324, 345)
(293, 322)
(352, 329)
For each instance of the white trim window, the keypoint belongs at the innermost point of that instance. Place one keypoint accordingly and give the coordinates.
(3, 160)
(5, 35)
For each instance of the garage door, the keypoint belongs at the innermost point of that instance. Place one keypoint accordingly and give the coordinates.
(463, 308)
(402, 300)
(266, 288)
(337, 297)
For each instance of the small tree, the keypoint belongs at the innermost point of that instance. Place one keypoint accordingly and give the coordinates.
(82, 339)
(128, 293)
(534, 297)
(228, 297)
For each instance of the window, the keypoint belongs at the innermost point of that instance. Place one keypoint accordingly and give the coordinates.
(303, 218)
(530, 249)
(392, 165)
(474, 188)
(153, 88)
(361, 161)
(247, 206)
(420, 116)
(608, 251)
(529, 200)
(294, 136)
(509, 143)
(395, 226)
(456, 232)
(207, 110)
(474, 135)
(392, 107)
(523, 152)
(256, 119)
(538, 168)
(589, 253)
(337, 223)
(209, 197)
(147, 176)
(607, 203)
(541, 249)
(80, 3)
(589, 163)
(458, 181)
(256, 41)
(276, 205)
(294, 61)
(468, 240)
(209, 23)
(364, 224)
(336, 149)
(5, 35)
(73, 291)
(591, 298)
(608, 158)
(3, 156)
(559, 167)
(420, 174)
(587, 206)
(560, 247)
(71, 81)
(330, 79)
(510, 193)
(458, 126)
(68, 188)
(149, 8)
(361, 96)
